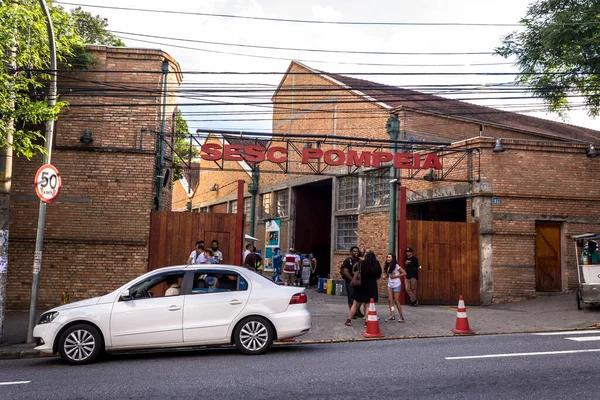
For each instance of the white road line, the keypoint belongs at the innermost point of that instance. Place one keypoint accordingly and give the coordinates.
(584, 339)
(14, 383)
(587, 332)
(542, 353)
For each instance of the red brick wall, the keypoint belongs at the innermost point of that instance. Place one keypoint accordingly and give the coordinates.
(96, 235)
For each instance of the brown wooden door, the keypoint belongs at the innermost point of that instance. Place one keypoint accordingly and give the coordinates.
(448, 253)
(173, 235)
(547, 257)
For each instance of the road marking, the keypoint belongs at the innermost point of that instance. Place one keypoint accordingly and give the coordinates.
(14, 383)
(584, 339)
(567, 333)
(542, 353)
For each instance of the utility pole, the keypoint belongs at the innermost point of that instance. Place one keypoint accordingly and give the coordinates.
(39, 239)
(393, 129)
(6, 159)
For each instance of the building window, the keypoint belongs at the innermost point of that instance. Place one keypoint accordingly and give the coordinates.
(247, 208)
(233, 206)
(348, 193)
(204, 209)
(346, 232)
(265, 205)
(378, 188)
(281, 203)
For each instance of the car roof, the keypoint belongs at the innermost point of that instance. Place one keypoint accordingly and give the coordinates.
(198, 266)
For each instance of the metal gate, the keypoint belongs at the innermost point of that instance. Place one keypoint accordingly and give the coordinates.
(449, 256)
(174, 234)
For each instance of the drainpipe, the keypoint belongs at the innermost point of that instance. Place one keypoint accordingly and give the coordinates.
(253, 189)
(393, 129)
(161, 145)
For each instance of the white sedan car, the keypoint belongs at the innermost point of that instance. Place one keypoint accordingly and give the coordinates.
(187, 305)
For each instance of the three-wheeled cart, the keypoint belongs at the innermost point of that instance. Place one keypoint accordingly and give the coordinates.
(588, 274)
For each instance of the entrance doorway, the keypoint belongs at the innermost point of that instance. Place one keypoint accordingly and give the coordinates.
(547, 257)
(313, 222)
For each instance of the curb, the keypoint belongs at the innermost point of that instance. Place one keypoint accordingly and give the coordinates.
(23, 354)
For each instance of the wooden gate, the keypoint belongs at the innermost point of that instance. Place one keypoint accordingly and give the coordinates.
(174, 234)
(449, 256)
(547, 257)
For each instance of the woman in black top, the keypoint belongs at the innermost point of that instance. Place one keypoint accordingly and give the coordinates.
(370, 271)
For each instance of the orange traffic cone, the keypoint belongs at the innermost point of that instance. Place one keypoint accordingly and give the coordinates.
(462, 322)
(372, 323)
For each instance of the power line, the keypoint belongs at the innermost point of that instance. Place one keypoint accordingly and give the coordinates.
(306, 49)
(301, 21)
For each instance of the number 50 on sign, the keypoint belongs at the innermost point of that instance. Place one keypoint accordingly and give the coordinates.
(47, 183)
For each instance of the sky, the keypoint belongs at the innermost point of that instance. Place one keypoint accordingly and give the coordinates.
(301, 37)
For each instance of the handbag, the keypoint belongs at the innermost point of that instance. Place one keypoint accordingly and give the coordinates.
(356, 278)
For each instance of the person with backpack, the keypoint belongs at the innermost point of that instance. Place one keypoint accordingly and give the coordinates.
(347, 271)
(291, 264)
(369, 271)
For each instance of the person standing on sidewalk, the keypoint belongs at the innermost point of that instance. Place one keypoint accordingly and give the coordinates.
(215, 249)
(290, 266)
(347, 272)
(370, 272)
(411, 265)
(197, 255)
(394, 273)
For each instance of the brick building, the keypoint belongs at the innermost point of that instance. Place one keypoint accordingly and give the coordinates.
(528, 183)
(96, 235)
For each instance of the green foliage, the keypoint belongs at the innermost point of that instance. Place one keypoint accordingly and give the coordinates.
(93, 29)
(558, 52)
(182, 146)
(24, 28)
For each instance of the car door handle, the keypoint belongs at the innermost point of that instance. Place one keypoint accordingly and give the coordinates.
(235, 302)
(174, 308)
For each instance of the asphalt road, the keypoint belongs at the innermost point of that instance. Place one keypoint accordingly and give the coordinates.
(565, 366)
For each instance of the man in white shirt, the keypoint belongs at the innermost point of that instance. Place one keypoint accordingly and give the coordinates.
(197, 255)
(249, 249)
(218, 254)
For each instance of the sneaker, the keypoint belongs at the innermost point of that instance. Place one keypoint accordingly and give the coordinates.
(348, 322)
(416, 303)
(355, 316)
(360, 315)
(401, 319)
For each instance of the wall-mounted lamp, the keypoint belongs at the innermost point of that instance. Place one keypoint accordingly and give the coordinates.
(213, 188)
(86, 137)
(430, 176)
(498, 148)
(592, 152)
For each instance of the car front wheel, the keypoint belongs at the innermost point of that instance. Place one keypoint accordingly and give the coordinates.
(253, 335)
(80, 344)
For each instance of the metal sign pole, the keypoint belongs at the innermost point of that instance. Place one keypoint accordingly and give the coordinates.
(39, 239)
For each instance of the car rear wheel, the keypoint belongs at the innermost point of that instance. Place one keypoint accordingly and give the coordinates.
(80, 344)
(253, 335)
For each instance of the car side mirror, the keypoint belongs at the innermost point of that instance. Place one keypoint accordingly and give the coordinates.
(124, 295)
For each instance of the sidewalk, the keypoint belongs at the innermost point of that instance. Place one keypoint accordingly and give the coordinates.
(546, 313)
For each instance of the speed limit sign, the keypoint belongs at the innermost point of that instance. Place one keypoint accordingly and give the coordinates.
(47, 183)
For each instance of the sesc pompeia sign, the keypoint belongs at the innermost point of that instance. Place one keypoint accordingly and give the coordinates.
(332, 157)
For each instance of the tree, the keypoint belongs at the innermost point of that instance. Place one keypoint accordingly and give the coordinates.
(25, 22)
(93, 29)
(182, 146)
(558, 52)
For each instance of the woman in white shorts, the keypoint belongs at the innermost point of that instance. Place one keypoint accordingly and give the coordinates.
(394, 272)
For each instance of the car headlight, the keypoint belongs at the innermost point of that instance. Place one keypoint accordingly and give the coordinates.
(48, 317)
